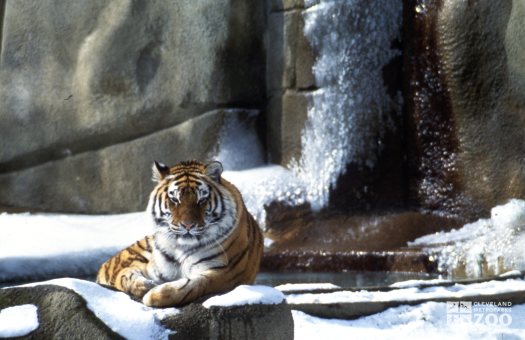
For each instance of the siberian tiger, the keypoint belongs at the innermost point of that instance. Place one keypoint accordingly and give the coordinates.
(205, 240)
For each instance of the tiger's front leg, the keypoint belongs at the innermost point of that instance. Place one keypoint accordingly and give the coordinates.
(135, 283)
(183, 291)
(127, 270)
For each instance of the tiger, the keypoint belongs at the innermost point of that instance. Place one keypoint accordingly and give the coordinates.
(204, 241)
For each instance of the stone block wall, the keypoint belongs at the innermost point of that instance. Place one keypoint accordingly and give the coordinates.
(289, 79)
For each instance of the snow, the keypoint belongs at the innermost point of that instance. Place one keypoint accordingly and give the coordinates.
(261, 186)
(239, 146)
(18, 320)
(487, 246)
(511, 273)
(117, 310)
(417, 283)
(411, 293)
(39, 246)
(424, 321)
(292, 287)
(246, 295)
(133, 320)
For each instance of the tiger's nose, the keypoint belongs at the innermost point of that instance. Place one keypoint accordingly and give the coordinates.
(187, 224)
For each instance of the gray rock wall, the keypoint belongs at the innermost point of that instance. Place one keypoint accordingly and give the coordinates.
(88, 88)
(116, 178)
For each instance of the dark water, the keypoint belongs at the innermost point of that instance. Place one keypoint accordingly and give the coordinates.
(345, 279)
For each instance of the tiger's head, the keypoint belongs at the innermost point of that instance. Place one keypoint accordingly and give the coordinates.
(188, 200)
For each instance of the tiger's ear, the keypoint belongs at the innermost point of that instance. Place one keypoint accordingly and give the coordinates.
(214, 170)
(160, 170)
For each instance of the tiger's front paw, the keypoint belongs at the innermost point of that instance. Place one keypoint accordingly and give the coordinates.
(168, 294)
(140, 287)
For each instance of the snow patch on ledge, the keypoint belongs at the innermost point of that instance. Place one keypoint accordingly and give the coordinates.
(412, 293)
(246, 295)
(486, 247)
(18, 321)
(293, 287)
(417, 283)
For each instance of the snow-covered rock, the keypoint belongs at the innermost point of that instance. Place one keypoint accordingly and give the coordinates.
(61, 307)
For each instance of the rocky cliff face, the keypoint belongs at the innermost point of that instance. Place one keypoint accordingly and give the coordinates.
(90, 87)
(374, 105)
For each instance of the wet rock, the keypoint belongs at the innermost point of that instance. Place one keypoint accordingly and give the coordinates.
(399, 260)
(118, 178)
(465, 103)
(304, 241)
(83, 76)
(61, 313)
(302, 230)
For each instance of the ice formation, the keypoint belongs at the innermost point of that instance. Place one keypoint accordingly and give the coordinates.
(485, 247)
(353, 42)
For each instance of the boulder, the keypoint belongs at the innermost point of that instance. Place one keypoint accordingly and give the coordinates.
(118, 178)
(257, 321)
(466, 84)
(80, 76)
(63, 313)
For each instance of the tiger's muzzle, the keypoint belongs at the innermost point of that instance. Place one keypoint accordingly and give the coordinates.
(187, 228)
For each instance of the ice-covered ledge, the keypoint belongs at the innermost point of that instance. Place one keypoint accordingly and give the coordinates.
(250, 312)
(343, 303)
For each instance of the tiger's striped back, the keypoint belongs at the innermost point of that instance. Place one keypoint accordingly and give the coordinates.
(205, 240)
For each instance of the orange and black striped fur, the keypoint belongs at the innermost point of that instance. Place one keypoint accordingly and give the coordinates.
(205, 240)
